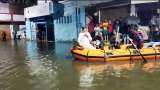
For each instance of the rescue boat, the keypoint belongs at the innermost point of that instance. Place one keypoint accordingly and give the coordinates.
(122, 54)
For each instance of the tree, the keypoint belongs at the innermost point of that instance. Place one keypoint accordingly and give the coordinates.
(22, 3)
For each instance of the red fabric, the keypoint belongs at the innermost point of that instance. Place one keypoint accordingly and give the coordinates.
(110, 27)
(101, 25)
(91, 27)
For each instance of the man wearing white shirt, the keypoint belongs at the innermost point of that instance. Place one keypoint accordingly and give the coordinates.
(84, 39)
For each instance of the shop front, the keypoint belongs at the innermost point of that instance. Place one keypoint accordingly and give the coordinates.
(43, 28)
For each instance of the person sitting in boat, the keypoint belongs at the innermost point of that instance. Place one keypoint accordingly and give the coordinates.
(84, 39)
(114, 44)
(76, 45)
(98, 41)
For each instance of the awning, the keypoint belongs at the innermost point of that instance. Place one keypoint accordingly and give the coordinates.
(41, 19)
(113, 3)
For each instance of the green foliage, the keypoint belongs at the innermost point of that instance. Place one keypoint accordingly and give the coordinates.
(24, 3)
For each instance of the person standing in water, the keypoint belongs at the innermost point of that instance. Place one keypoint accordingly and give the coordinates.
(4, 36)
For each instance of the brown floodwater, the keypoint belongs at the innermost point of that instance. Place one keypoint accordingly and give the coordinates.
(30, 65)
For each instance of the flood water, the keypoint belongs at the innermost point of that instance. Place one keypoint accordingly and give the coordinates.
(28, 65)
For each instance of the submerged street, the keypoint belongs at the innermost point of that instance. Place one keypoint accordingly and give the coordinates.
(29, 65)
(79, 44)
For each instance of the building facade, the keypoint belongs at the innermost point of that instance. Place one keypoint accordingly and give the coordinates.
(64, 28)
(39, 19)
(67, 27)
(10, 21)
(145, 10)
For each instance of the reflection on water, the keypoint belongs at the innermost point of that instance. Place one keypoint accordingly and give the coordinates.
(40, 67)
(86, 77)
(152, 67)
(93, 75)
(48, 66)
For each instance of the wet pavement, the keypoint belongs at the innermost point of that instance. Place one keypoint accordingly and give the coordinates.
(28, 65)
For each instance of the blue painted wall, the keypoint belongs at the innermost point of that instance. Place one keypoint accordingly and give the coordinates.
(66, 31)
(30, 30)
(69, 31)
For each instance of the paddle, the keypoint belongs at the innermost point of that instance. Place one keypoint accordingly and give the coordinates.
(117, 34)
(144, 60)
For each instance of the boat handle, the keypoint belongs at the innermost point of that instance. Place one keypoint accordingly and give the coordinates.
(87, 55)
(155, 53)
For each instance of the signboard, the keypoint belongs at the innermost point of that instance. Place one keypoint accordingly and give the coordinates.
(4, 8)
(38, 10)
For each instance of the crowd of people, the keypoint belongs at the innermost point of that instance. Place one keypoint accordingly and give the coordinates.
(154, 33)
(114, 32)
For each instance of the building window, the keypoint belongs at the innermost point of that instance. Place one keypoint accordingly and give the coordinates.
(70, 19)
(64, 19)
(57, 20)
(61, 20)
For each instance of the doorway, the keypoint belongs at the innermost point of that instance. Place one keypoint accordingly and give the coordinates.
(45, 31)
(41, 32)
(50, 30)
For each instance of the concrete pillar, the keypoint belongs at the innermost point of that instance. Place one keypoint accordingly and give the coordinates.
(11, 29)
(28, 29)
(82, 16)
(99, 16)
(133, 10)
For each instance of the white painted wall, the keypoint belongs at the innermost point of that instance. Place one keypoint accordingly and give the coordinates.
(18, 18)
(4, 12)
(4, 8)
(38, 10)
(5, 17)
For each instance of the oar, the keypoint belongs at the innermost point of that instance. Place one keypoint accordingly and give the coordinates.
(144, 60)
